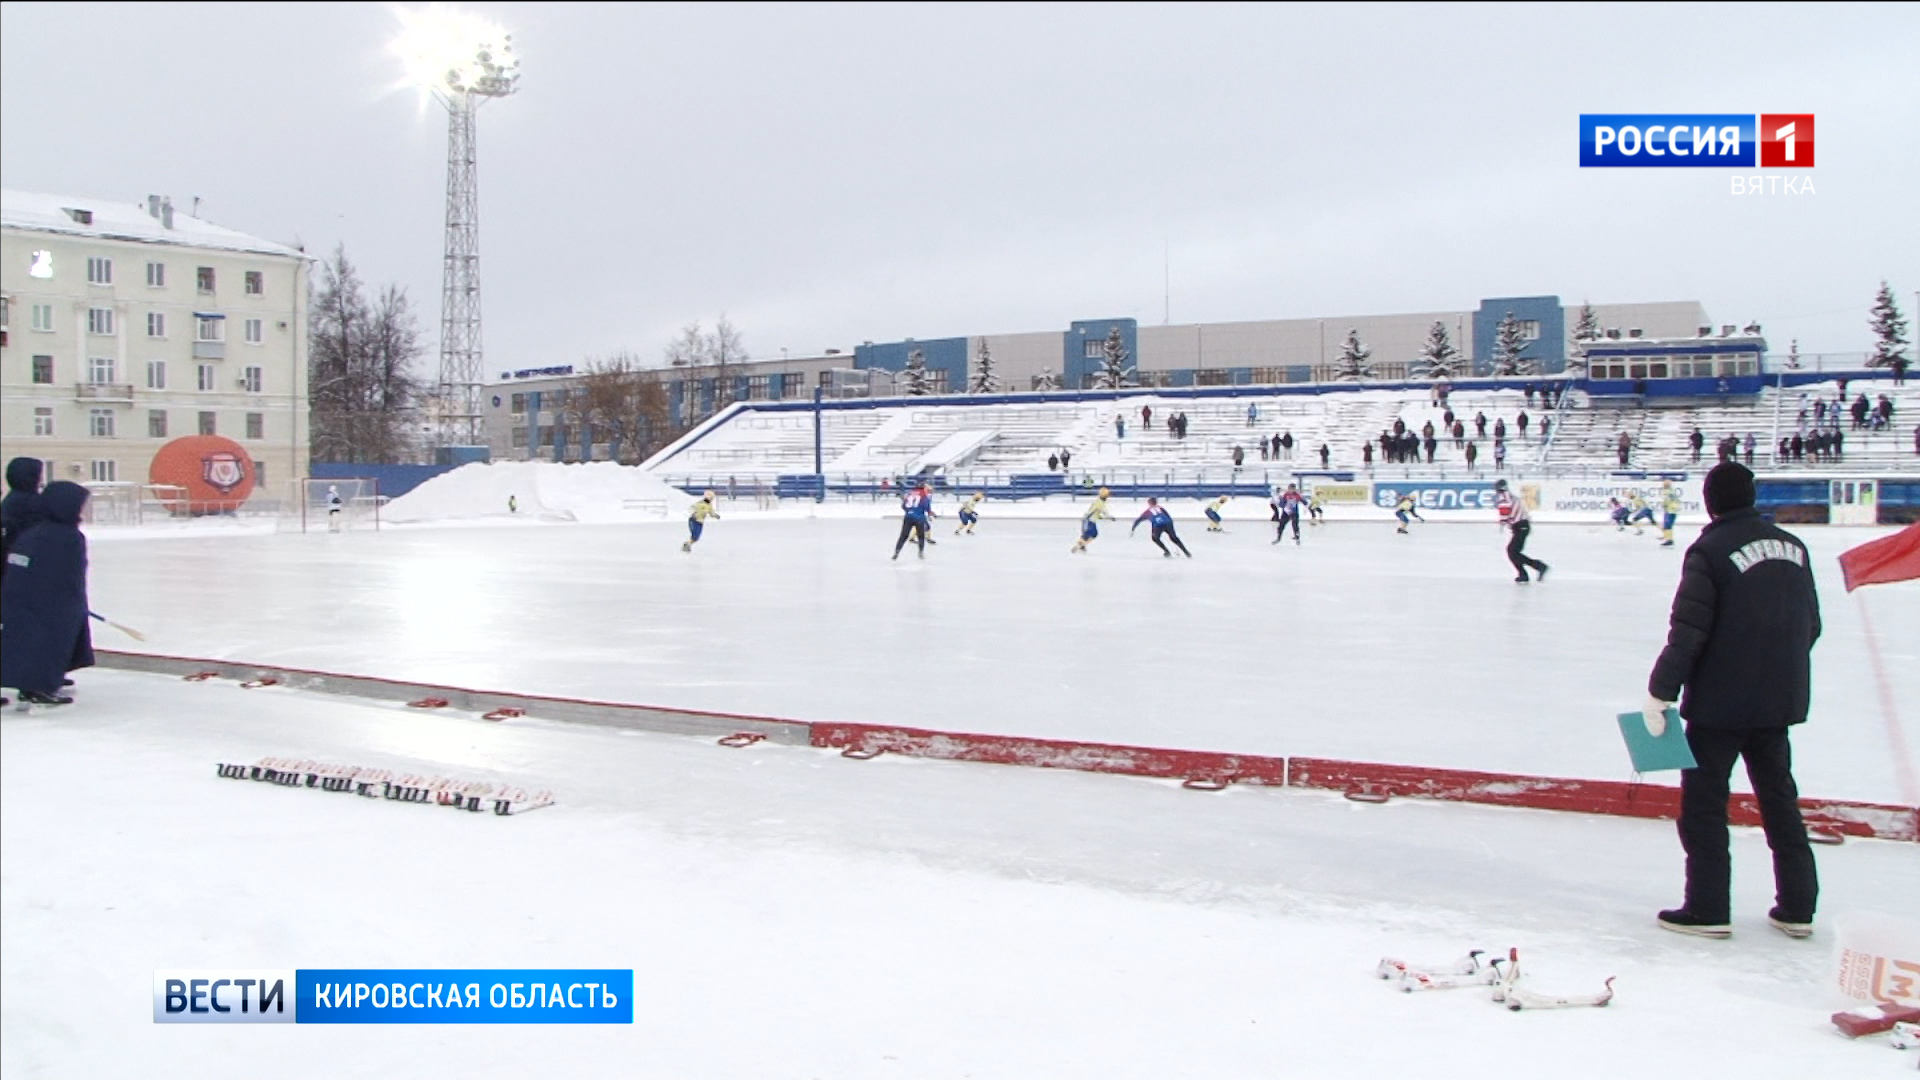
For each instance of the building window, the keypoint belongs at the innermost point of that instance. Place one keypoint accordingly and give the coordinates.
(256, 283)
(100, 423)
(104, 472)
(203, 279)
(259, 474)
(43, 318)
(156, 423)
(157, 275)
(1530, 329)
(41, 266)
(1094, 348)
(156, 374)
(43, 370)
(253, 378)
(43, 420)
(255, 331)
(519, 438)
(256, 425)
(209, 328)
(101, 369)
(99, 270)
(207, 425)
(518, 405)
(100, 321)
(206, 376)
(156, 324)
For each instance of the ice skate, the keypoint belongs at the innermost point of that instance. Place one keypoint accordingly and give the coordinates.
(1793, 928)
(1682, 921)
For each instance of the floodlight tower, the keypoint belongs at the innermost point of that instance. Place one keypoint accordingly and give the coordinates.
(464, 61)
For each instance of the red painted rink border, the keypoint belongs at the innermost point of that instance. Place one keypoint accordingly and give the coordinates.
(1201, 768)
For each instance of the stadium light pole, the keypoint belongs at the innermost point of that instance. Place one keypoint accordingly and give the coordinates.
(463, 61)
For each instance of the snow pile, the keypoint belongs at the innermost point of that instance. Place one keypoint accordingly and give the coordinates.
(599, 491)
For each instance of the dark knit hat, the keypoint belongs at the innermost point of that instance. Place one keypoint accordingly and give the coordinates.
(1729, 488)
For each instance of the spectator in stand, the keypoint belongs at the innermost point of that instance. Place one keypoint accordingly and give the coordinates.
(1886, 409)
(1839, 445)
(1859, 411)
(1785, 451)
(1426, 431)
(1253, 413)
(1473, 454)
(1521, 423)
(1446, 420)
(1479, 425)
(1798, 447)
(1916, 438)
(1430, 443)
(1696, 441)
(1625, 447)
(1119, 426)
(1386, 447)
(1900, 370)
(1499, 454)
(1239, 457)
(1546, 429)
(1066, 459)
(1276, 446)
(1459, 434)
(1500, 429)
(1286, 445)
(1146, 418)
(1053, 462)
(1326, 455)
(1366, 450)
(1263, 450)
(1751, 442)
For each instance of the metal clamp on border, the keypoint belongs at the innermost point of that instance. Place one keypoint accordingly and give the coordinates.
(1206, 783)
(505, 712)
(200, 676)
(862, 753)
(255, 684)
(428, 703)
(1366, 794)
(741, 738)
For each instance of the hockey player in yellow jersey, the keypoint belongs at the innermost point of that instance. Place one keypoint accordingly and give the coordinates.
(697, 519)
(970, 513)
(1637, 509)
(1213, 513)
(1096, 512)
(1407, 509)
(1669, 511)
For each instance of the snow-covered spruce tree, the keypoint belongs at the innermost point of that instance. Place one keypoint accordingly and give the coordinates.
(1889, 332)
(1793, 355)
(1438, 357)
(918, 384)
(1509, 349)
(1114, 372)
(1356, 360)
(1586, 329)
(1046, 380)
(985, 381)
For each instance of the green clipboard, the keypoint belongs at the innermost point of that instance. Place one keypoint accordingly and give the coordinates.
(1669, 751)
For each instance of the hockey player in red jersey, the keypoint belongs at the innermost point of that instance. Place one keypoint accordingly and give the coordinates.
(1513, 516)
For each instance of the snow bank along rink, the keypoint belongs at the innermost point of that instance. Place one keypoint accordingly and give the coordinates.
(789, 912)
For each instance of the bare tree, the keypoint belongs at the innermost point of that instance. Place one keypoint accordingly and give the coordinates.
(697, 348)
(624, 405)
(363, 390)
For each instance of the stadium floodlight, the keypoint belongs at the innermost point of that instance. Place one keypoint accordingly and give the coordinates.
(463, 60)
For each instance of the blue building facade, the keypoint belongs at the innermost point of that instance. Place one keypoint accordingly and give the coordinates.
(948, 356)
(1543, 318)
(1084, 348)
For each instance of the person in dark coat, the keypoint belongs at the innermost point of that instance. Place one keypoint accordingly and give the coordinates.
(43, 600)
(20, 510)
(1738, 661)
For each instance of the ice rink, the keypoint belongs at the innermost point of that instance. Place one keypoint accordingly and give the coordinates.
(1359, 644)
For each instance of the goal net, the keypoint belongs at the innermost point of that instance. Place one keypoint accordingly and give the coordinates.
(331, 505)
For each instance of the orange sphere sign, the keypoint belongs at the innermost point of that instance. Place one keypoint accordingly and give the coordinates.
(202, 474)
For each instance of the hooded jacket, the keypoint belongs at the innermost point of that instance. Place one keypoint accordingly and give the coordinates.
(20, 510)
(43, 599)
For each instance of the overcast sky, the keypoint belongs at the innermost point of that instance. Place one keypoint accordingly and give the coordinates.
(829, 175)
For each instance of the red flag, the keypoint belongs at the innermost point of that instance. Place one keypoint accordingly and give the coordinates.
(1890, 558)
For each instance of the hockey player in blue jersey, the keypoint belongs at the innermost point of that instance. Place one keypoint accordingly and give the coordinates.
(1286, 511)
(1162, 523)
(916, 507)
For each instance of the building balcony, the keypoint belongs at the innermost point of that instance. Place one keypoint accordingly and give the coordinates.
(116, 392)
(209, 350)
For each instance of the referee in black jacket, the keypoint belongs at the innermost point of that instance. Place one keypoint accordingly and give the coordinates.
(1737, 658)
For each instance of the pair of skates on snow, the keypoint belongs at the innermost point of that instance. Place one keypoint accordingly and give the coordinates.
(1501, 973)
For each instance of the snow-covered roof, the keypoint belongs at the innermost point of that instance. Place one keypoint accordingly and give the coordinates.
(113, 220)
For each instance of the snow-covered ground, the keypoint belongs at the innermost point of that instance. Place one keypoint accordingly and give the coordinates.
(1358, 644)
(788, 912)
